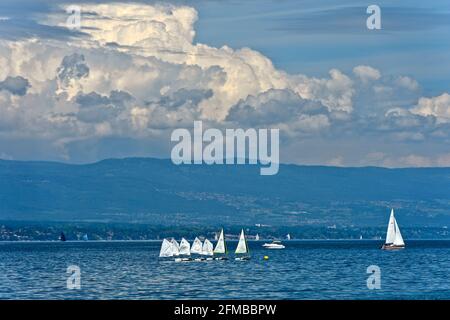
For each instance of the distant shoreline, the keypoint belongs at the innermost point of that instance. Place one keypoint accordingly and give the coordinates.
(228, 240)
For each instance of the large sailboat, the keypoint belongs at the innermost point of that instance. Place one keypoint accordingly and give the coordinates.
(394, 239)
(221, 248)
(242, 251)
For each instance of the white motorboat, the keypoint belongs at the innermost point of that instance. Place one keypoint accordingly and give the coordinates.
(274, 245)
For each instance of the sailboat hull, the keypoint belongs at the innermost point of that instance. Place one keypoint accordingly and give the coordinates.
(242, 258)
(221, 258)
(392, 247)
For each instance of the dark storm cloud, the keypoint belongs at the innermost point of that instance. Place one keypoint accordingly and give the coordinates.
(273, 107)
(72, 67)
(97, 108)
(16, 85)
(185, 96)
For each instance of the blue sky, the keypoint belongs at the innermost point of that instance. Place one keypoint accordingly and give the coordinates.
(343, 94)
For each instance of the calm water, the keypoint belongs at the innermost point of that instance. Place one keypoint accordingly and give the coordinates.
(304, 270)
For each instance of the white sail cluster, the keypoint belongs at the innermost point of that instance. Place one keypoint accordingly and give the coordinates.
(183, 250)
(171, 248)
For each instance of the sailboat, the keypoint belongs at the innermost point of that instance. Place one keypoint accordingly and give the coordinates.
(394, 239)
(197, 248)
(166, 249)
(184, 251)
(242, 248)
(221, 247)
(175, 247)
(62, 237)
(288, 236)
(85, 237)
(257, 237)
(208, 249)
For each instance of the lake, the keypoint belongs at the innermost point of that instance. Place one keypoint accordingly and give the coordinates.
(304, 270)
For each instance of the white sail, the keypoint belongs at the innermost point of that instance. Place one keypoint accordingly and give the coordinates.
(185, 247)
(197, 246)
(288, 236)
(175, 247)
(220, 246)
(166, 249)
(242, 245)
(398, 241)
(257, 237)
(207, 249)
(390, 236)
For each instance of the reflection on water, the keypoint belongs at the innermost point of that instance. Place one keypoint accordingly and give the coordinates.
(304, 270)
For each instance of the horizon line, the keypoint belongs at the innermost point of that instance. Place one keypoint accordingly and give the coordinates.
(61, 162)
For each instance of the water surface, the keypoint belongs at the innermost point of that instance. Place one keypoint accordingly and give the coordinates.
(304, 270)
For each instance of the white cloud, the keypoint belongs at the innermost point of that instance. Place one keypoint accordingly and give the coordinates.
(438, 107)
(138, 72)
(407, 82)
(366, 73)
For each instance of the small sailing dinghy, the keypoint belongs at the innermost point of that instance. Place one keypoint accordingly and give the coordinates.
(184, 251)
(221, 248)
(85, 237)
(394, 239)
(288, 236)
(175, 249)
(166, 249)
(242, 251)
(257, 237)
(208, 250)
(197, 249)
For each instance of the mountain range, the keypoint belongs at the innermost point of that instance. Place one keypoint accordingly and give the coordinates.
(155, 191)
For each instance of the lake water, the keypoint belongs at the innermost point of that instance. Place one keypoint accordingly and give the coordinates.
(304, 270)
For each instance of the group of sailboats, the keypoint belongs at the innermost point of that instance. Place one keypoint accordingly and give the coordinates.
(184, 252)
(206, 251)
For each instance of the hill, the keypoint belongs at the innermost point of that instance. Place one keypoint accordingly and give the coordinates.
(145, 190)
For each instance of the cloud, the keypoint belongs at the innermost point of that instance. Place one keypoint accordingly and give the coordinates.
(16, 85)
(72, 69)
(366, 73)
(135, 72)
(438, 107)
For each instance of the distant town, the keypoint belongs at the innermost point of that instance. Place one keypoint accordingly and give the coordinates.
(51, 231)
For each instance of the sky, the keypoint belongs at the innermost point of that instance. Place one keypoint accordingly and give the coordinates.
(340, 94)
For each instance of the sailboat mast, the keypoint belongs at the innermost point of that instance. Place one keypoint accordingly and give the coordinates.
(224, 242)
